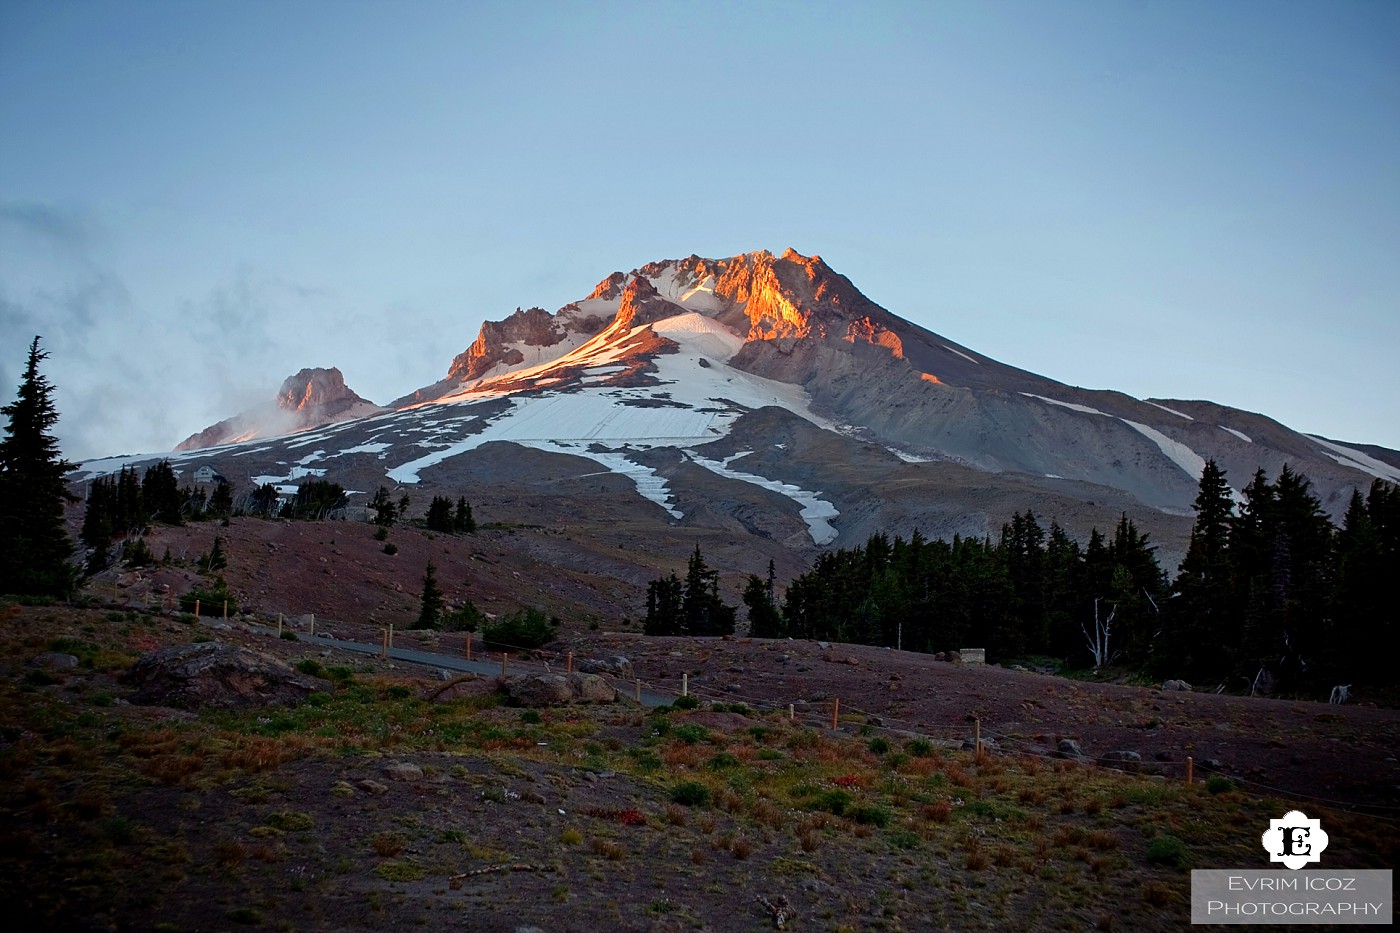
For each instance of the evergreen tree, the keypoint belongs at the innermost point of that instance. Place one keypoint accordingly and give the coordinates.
(663, 607)
(764, 619)
(385, 512)
(316, 499)
(138, 554)
(98, 516)
(263, 501)
(439, 517)
(34, 546)
(430, 615)
(160, 493)
(1201, 633)
(702, 610)
(463, 521)
(129, 512)
(1022, 547)
(221, 500)
(215, 559)
(1137, 589)
(1063, 582)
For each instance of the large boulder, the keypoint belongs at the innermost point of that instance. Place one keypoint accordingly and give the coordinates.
(219, 676)
(1069, 748)
(557, 689)
(618, 666)
(1122, 760)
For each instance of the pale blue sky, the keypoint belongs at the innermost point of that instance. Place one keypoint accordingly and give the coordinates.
(1188, 199)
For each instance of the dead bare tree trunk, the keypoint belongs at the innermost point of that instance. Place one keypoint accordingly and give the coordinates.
(1098, 643)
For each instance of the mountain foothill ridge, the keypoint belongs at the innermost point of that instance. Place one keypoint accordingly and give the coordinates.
(655, 370)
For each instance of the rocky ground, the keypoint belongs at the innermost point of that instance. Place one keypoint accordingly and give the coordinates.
(383, 800)
(339, 573)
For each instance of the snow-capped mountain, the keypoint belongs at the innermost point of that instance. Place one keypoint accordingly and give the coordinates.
(766, 396)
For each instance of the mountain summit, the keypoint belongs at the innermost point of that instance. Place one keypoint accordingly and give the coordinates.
(768, 397)
(306, 399)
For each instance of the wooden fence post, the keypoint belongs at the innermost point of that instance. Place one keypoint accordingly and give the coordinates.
(792, 712)
(1189, 768)
(505, 664)
(569, 663)
(279, 625)
(391, 634)
(313, 623)
(469, 646)
(196, 608)
(384, 643)
(835, 713)
(685, 685)
(226, 609)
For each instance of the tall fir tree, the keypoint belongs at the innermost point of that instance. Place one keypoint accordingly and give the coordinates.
(463, 521)
(764, 619)
(702, 610)
(34, 546)
(663, 607)
(160, 492)
(439, 517)
(432, 603)
(1201, 632)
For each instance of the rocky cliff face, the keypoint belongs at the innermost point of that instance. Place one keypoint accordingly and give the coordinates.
(306, 399)
(778, 299)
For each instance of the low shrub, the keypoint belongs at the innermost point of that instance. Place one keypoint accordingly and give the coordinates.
(1169, 851)
(832, 801)
(527, 628)
(690, 794)
(870, 815)
(1219, 784)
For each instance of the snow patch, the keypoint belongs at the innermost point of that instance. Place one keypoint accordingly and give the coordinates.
(1070, 405)
(1357, 460)
(816, 512)
(1240, 434)
(680, 288)
(650, 484)
(961, 354)
(372, 448)
(296, 472)
(1173, 411)
(1190, 462)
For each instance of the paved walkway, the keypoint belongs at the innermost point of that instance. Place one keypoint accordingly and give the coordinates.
(450, 662)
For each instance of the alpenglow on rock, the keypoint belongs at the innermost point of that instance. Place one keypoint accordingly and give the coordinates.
(765, 398)
(307, 399)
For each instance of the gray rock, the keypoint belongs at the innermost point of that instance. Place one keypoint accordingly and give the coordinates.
(1069, 748)
(1130, 762)
(373, 787)
(403, 771)
(218, 676)
(54, 661)
(618, 666)
(1180, 685)
(537, 690)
